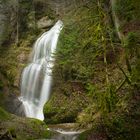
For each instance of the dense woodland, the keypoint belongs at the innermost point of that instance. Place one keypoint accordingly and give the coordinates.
(96, 76)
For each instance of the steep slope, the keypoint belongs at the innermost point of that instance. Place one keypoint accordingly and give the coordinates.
(99, 68)
(97, 72)
(17, 34)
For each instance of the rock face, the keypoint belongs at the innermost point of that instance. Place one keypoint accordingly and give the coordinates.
(14, 105)
(45, 22)
(17, 17)
(7, 19)
(12, 11)
(60, 7)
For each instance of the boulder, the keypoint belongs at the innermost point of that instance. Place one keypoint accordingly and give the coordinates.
(45, 22)
(14, 105)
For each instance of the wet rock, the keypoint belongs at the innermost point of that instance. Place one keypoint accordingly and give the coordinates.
(14, 105)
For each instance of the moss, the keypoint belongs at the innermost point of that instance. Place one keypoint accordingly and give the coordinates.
(64, 110)
(80, 72)
(84, 135)
(4, 115)
(127, 12)
(84, 43)
(42, 9)
(1, 85)
(22, 128)
(124, 126)
(14, 58)
(80, 61)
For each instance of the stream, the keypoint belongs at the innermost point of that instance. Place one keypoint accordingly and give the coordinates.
(64, 132)
(65, 135)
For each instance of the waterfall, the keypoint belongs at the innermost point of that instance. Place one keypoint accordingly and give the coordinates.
(36, 77)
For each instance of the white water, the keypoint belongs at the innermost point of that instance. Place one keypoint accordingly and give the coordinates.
(65, 134)
(36, 77)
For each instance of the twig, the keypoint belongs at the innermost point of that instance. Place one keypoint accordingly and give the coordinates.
(126, 77)
(120, 86)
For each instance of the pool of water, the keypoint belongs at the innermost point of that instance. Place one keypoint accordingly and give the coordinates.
(64, 132)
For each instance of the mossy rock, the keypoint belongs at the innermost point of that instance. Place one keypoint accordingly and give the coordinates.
(13, 127)
(64, 109)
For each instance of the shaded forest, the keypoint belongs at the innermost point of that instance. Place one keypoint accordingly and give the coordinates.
(96, 75)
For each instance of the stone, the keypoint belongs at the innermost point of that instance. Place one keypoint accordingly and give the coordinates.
(14, 105)
(7, 20)
(45, 22)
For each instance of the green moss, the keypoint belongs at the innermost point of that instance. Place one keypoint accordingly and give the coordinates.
(128, 14)
(84, 135)
(4, 115)
(127, 8)
(1, 85)
(22, 128)
(42, 10)
(80, 60)
(84, 43)
(14, 58)
(80, 87)
(64, 110)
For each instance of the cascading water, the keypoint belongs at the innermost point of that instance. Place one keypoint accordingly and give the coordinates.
(36, 77)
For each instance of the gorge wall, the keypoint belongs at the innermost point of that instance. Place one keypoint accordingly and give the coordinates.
(8, 19)
(13, 10)
(19, 29)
